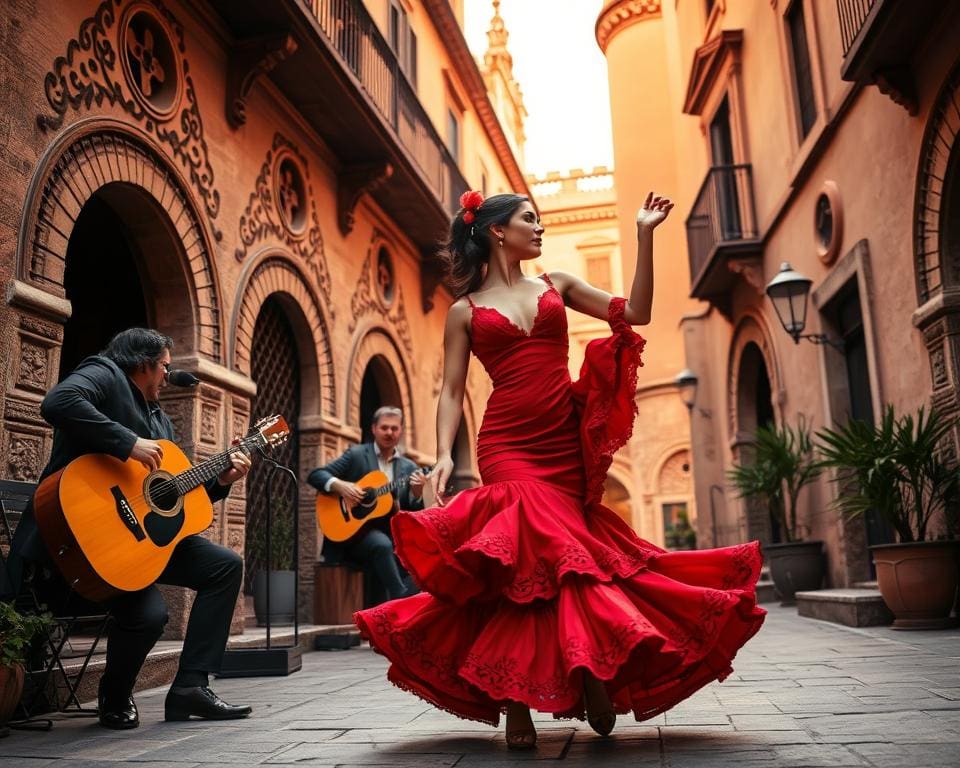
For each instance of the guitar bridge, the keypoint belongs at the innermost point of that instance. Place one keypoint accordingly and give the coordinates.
(125, 513)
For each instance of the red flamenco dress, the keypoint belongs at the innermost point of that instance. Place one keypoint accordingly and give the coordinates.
(528, 579)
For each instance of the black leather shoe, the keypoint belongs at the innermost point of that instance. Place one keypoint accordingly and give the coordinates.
(200, 701)
(118, 713)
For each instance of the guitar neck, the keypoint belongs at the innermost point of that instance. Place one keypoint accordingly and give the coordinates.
(200, 473)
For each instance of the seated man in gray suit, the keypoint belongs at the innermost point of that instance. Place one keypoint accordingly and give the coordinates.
(372, 545)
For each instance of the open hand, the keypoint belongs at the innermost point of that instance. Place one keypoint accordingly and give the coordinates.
(655, 209)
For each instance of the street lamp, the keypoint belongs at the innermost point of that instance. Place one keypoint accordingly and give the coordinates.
(788, 291)
(686, 382)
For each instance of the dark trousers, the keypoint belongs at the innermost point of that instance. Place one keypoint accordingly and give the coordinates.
(215, 573)
(373, 551)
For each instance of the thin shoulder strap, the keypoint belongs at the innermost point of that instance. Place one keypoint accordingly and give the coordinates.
(469, 300)
(547, 279)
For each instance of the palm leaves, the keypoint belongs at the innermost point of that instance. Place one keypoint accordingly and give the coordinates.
(895, 468)
(783, 462)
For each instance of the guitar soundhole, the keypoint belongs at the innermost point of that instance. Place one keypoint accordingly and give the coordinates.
(163, 493)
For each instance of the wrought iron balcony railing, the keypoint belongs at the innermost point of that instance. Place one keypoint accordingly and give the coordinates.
(355, 36)
(722, 220)
(853, 15)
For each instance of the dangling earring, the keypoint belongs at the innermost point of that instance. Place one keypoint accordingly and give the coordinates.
(500, 242)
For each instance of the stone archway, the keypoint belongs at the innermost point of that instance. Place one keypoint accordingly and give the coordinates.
(272, 279)
(276, 274)
(148, 193)
(377, 342)
(936, 238)
(752, 382)
(123, 170)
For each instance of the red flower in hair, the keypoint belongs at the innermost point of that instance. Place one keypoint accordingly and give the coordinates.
(470, 201)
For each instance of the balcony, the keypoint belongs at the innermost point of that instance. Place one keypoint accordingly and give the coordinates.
(722, 226)
(331, 62)
(880, 38)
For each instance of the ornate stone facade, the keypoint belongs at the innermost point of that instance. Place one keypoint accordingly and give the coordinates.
(221, 206)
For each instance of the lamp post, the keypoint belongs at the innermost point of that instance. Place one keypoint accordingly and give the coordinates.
(788, 291)
(686, 382)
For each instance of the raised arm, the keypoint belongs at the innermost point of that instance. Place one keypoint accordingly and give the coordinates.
(456, 358)
(583, 297)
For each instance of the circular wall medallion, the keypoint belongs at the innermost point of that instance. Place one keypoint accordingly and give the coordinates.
(385, 277)
(290, 192)
(828, 222)
(151, 62)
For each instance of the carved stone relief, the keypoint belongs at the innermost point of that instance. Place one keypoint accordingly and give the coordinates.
(209, 421)
(367, 300)
(24, 453)
(33, 367)
(89, 162)
(279, 275)
(39, 327)
(143, 69)
(282, 207)
(24, 411)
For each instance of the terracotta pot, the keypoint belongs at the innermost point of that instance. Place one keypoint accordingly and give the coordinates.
(795, 567)
(11, 688)
(918, 582)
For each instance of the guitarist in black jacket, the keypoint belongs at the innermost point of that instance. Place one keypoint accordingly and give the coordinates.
(372, 546)
(109, 404)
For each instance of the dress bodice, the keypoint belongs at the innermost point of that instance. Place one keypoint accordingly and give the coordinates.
(529, 428)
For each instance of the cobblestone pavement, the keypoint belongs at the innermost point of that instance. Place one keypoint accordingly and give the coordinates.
(805, 693)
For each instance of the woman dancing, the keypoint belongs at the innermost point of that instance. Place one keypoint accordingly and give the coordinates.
(536, 596)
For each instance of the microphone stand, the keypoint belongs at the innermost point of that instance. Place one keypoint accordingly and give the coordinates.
(279, 660)
(275, 467)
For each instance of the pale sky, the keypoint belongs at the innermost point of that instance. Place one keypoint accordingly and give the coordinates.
(562, 73)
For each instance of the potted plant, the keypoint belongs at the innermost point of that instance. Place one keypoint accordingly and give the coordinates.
(282, 577)
(681, 535)
(17, 631)
(783, 462)
(897, 469)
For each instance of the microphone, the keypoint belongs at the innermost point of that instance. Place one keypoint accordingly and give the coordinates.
(182, 379)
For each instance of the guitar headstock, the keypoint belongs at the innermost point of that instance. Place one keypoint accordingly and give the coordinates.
(271, 431)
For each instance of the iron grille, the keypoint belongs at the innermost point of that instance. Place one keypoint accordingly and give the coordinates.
(352, 31)
(275, 367)
(721, 215)
(853, 15)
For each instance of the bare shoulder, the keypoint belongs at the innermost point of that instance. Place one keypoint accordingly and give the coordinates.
(459, 313)
(562, 281)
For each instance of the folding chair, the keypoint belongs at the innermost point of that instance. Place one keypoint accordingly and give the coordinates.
(59, 662)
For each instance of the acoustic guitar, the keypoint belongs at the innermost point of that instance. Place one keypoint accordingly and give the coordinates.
(340, 519)
(111, 525)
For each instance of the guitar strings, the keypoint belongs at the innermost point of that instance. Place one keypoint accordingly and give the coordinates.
(167, 485)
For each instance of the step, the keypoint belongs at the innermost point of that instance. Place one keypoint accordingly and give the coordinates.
(161, 664)
(766, 592)
(852, 607)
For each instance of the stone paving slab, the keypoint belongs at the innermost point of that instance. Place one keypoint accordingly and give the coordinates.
(804, 694)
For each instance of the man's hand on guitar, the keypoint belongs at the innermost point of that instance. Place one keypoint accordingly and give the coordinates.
(240, 462)
(417, 481)
(147, 452)
(349, 491)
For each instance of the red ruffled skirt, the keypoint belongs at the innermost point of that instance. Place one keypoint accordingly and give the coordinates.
(526, 584)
